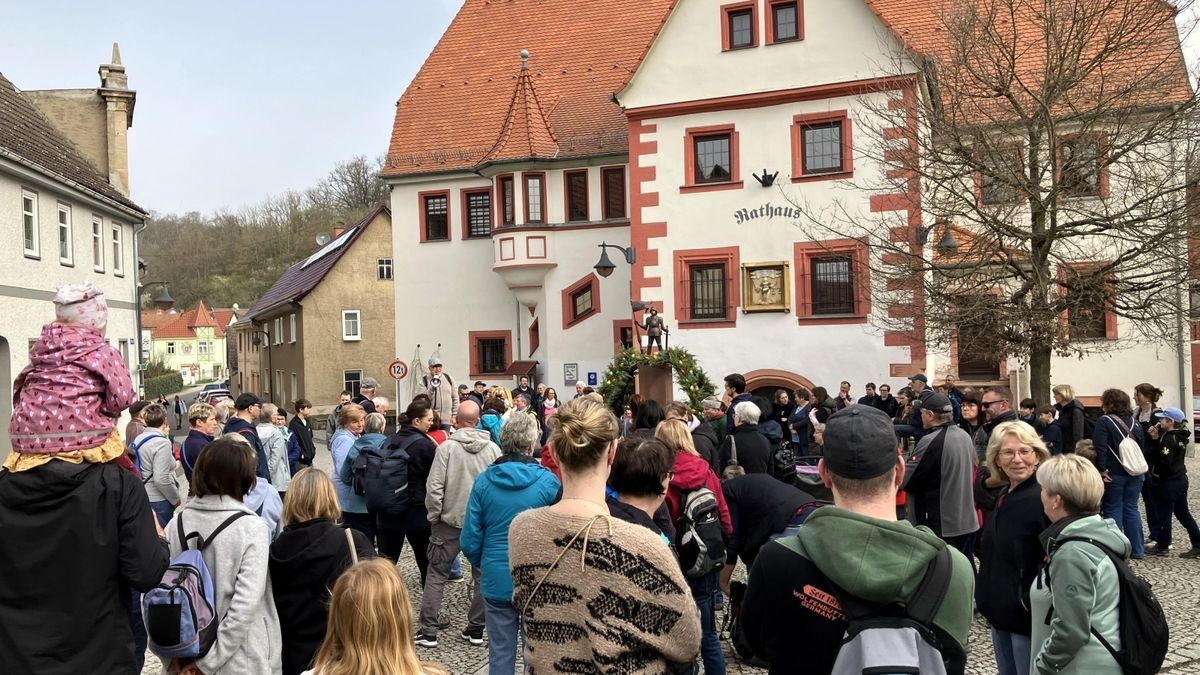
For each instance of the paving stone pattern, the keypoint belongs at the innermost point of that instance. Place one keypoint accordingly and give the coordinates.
(1176, 583)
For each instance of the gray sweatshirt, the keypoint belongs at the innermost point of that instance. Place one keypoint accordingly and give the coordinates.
(158, 466)
(248, 639)
(465, 455)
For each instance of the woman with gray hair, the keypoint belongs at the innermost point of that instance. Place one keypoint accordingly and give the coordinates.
(515, 482)
(744, 445)
(1076, 614)
(275, 446)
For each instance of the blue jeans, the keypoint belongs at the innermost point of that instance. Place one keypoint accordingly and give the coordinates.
(503, 623)
(704, 592)
(1012, 652)
(1171, 499)
(163, 511)
(456, 567)
(1121, 504)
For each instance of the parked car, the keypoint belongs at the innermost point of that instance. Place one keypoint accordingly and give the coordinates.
(213, 386)
(1196, 418)
(212, 396)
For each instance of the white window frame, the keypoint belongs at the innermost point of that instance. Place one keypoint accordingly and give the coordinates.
(292, 329)
(295, 389)
(66, 235)
(118, 244)
(170, 349)
(124, 347)
(31, 215)
(277, 338)
(97, 243)
(355, 336)
(384, 266)
(203, 347)
(346, 381)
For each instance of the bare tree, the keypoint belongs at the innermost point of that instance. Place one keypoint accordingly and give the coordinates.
(1051, 143)
(352, 185)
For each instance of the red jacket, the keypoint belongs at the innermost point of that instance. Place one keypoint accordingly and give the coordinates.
(692, 472)
(71, 393)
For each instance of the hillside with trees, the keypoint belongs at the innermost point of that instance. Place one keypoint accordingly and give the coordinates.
(233, 256)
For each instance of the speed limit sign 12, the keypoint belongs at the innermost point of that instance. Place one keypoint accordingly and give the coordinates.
(398, 370)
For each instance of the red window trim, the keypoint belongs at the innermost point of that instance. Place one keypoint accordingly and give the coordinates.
(619, 324)
(587, 214)
(726, 38)
(730, 257)
(525, 197)
(1110, 315)
(499, 218)
(466, 213)
(604, 170)
(1102, 143)
(568, 304)
(770, 21)
(804, 252)
(1013, 148)
(473, 338)
(689, 159)
(798, 124)
(535, 337)
(421, 197)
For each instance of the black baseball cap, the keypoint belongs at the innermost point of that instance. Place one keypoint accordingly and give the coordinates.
(244, 402)
(860, 442)
(938, 403)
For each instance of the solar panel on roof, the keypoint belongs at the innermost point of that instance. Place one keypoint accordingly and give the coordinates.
(329, 248)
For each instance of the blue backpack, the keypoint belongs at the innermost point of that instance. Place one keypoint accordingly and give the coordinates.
(180, 613)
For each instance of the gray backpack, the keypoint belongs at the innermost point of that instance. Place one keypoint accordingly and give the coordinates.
(893, 638)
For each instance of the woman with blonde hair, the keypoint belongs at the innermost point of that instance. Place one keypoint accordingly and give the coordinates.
(569, 588)
(1070, 413)
(690, 473)
(370, 626)
(306, 560)
(351, 423)
(1078, 609)
(1012, 551)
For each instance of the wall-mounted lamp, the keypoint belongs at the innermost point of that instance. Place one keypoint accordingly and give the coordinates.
(947, 241)
(766, 179)
(605, 266)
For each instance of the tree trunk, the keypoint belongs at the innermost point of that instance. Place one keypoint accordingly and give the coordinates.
(1039, 374)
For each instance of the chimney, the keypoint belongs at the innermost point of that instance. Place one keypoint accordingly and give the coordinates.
(337, 232)
(119, 101)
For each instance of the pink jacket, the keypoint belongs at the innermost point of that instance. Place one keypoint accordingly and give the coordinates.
(71, 393)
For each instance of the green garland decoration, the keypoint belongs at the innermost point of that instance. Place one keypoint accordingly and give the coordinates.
(617, 385)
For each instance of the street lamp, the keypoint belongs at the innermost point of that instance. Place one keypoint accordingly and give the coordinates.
(605, 266)
(947, 242)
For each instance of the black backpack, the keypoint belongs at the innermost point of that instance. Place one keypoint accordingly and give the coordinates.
(1143, 626)
(381, 475)
(700, 538)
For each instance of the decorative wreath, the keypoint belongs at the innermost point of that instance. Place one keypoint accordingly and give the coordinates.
(618, 381)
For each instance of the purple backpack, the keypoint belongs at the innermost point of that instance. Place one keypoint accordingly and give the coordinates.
(180, 612)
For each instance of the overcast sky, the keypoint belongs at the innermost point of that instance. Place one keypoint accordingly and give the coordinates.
(237, 99)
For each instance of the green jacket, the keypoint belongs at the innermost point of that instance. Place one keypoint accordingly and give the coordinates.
(718, 425)
(884, 561)
(1083, 592)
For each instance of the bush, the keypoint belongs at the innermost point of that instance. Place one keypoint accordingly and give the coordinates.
(155, 369)
(164, 385)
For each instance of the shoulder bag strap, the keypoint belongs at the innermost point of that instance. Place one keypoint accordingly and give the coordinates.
(924, 604)
(221, 528)
(137, 458)
(733, 449)
(350, 543)
(1117, 560)
(1120, 424)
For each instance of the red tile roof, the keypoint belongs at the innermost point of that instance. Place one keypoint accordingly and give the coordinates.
(224, 317)
(202, 317)
(183, 325)
(455, 111)
(526, 133)
(155, 318)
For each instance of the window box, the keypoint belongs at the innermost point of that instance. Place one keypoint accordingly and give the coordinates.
(822, 147)
(833, 283)
(707, 287)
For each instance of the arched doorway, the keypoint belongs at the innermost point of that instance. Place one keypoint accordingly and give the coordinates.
(765, 381)
(5, 397)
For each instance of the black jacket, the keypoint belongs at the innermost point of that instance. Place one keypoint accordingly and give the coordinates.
(1166, 454)
(420, 460)
(888, 405)
(304, 436)
(753, 449)
(237, 425)
(367, 405)
(1010, 558)
(759, 506)
(1074, 423)
(306, 560)
(704, 437)
(74, 540)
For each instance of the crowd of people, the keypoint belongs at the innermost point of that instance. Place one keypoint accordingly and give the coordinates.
(603, 542)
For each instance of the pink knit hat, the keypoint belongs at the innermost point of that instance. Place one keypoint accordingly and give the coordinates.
(81, 304)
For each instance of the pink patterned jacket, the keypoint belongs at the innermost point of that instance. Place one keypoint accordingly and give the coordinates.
(70, 395)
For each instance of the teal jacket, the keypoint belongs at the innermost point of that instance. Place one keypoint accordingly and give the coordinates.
(512, 484)
(351, 502)
(1082, 594)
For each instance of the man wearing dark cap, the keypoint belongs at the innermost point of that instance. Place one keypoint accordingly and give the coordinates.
(247, 407)
(366, 392)
(477, 394)
(854, 549)
(939, 480)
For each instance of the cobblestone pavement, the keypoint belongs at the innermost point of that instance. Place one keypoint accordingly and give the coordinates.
(1176, 583)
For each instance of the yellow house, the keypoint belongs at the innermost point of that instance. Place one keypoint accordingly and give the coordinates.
(191, 342)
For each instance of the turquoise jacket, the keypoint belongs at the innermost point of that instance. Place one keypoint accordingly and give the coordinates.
(1082, 594)
(512, 484)
(492, 421)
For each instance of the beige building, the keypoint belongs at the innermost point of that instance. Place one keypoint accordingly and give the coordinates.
(65, 213)
(327, 323)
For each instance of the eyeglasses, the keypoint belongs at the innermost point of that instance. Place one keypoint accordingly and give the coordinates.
(987, 404)
(1024, 452)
